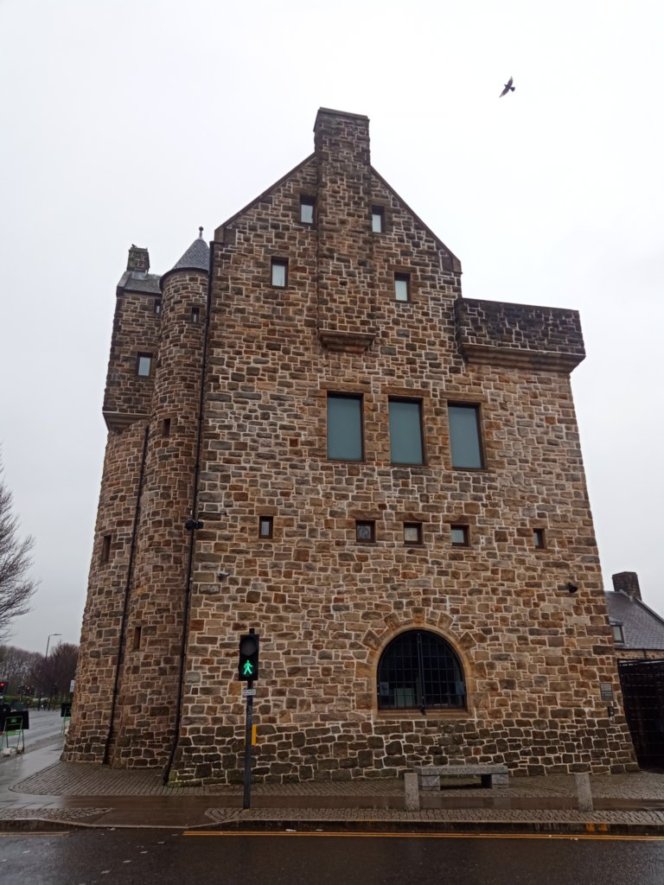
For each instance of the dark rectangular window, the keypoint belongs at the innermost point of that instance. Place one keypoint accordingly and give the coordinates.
(144, 365)
(538, 538)
(377, 219)
(157, 306)
(459, 536)
(402, 286)
(618, 633)
(265, 526)
(137, 637)
(307, 205)
(166, 427)
(344, 428)
(465, 442)
(365, 531)
(106, 548)
(195, 314)
(406, 431)
(279, 272)
(412, 532)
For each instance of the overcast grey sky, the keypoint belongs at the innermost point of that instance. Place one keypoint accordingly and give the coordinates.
(134, 121)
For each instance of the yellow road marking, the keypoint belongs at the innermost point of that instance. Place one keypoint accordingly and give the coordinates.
(596, 837)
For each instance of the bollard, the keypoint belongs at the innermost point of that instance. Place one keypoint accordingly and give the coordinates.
(583, 794)
(412, 791)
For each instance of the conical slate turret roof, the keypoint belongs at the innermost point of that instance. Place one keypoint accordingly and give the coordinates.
(197, 257)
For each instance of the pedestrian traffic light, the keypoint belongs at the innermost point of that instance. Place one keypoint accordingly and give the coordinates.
(248, 664)
(3, 685)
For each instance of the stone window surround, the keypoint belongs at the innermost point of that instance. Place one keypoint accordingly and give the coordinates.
(435, 713)
(106, 546)
(413, 524)
(379, 210)
(371, 524)
(539, 538)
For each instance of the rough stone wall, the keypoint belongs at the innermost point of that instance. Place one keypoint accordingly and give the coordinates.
(135, 330)
(146, 706)
(107, 586)
(325, 606)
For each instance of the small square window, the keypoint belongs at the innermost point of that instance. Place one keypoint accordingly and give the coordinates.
(265, 526)
(307, 206)
(144, 365)
(412, 532)
(365, 531)
(618, 633)
(538, 539)
(459, 535)
(106, 549)
(377, 219)
(402, 286)
(279, 272)
(195, 314)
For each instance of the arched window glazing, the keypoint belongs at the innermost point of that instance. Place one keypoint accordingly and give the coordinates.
(419, 670)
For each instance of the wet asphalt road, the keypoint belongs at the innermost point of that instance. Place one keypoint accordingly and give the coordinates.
(87, 857)
(44, 726)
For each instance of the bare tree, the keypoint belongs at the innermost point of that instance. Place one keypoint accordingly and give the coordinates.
(16, 587)
(16, 666)
(52, 676)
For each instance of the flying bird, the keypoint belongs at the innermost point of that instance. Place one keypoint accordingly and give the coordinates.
(507, 87)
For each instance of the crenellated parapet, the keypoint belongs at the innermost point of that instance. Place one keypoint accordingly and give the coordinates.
(522, 336)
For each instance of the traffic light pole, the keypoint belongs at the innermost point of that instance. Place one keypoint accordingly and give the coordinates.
(246, 798)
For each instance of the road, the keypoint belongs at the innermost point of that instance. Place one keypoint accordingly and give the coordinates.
(45, 725)
(121, 857)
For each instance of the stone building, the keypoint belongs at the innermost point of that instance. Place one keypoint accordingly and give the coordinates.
(312, 434)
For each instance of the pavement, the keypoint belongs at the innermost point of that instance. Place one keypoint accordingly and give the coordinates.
(39, 791)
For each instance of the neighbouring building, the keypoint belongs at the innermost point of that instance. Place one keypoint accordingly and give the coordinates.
(638, 634)
(312, 434)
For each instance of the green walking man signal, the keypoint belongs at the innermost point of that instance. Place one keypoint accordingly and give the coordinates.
(248, 663)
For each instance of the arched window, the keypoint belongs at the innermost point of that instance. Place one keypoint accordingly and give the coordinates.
(419, 670)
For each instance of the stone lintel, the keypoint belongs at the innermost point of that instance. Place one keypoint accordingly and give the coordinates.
(120, 420)
(346, 342)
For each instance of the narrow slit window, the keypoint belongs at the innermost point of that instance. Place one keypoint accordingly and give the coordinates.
(402, 286)
(307, 207)
(279, 272)
(377, 219)
(539, 539)
(459, 536)
(265, 527)
(157, 306)
(138, 633)
(166, 427)
(105, 549)
(195, 314)
(365, 531)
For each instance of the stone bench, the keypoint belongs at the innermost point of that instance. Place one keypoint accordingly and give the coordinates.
(427, 777)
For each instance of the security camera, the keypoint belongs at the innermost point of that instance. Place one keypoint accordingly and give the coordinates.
(221, 576)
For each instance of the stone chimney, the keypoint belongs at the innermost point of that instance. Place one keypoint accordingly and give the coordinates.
(138, 259)
(627, 583)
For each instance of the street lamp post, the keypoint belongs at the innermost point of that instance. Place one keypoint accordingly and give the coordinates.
(48, 641)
